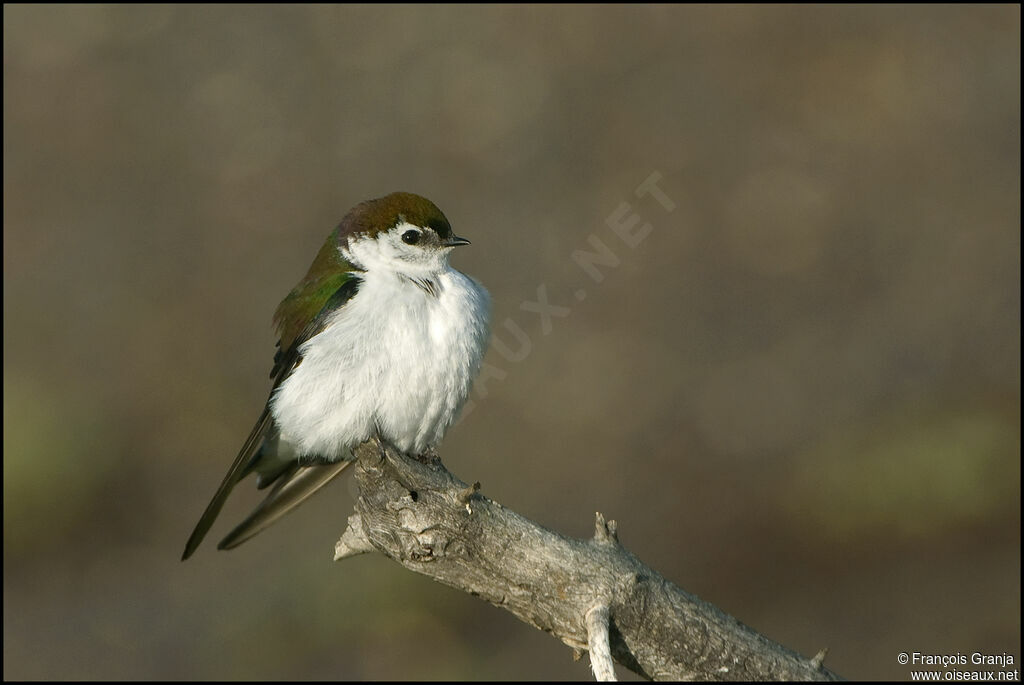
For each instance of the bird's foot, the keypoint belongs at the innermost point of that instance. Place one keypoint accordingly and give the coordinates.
(430, 457)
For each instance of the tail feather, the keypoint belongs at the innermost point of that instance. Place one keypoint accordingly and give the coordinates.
(235, 473)
(289, 491)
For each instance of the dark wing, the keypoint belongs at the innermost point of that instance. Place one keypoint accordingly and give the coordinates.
(295, 482)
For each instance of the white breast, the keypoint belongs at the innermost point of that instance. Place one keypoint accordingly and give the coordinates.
(396, 358)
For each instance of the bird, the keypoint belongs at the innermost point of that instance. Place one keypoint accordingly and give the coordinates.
(382, 338)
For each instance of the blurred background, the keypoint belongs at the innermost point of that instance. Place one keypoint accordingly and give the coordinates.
(799, 393)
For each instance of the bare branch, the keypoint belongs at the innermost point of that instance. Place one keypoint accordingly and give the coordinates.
(598, 643)
(605, 533)
(432, 523)
(353, 541)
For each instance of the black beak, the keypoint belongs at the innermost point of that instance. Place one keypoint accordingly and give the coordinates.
(455, 241)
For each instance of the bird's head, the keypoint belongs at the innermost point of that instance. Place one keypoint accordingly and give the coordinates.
(400, 232)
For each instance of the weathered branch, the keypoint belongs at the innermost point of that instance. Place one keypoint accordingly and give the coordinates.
(599, 643)
(429, 521)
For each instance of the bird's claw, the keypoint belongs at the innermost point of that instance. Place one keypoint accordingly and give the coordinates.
(429, 456)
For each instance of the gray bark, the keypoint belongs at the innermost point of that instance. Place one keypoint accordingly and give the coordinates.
(432, 523)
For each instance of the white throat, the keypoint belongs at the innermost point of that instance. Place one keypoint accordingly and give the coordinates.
(386, 252)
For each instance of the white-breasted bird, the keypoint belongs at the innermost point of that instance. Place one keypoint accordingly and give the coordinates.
(381, 338)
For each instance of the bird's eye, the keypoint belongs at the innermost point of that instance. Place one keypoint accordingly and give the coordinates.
(411, 237)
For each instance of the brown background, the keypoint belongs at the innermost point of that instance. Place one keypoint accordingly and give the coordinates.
(799, 395)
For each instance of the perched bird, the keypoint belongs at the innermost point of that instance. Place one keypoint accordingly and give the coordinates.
(381, 338)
